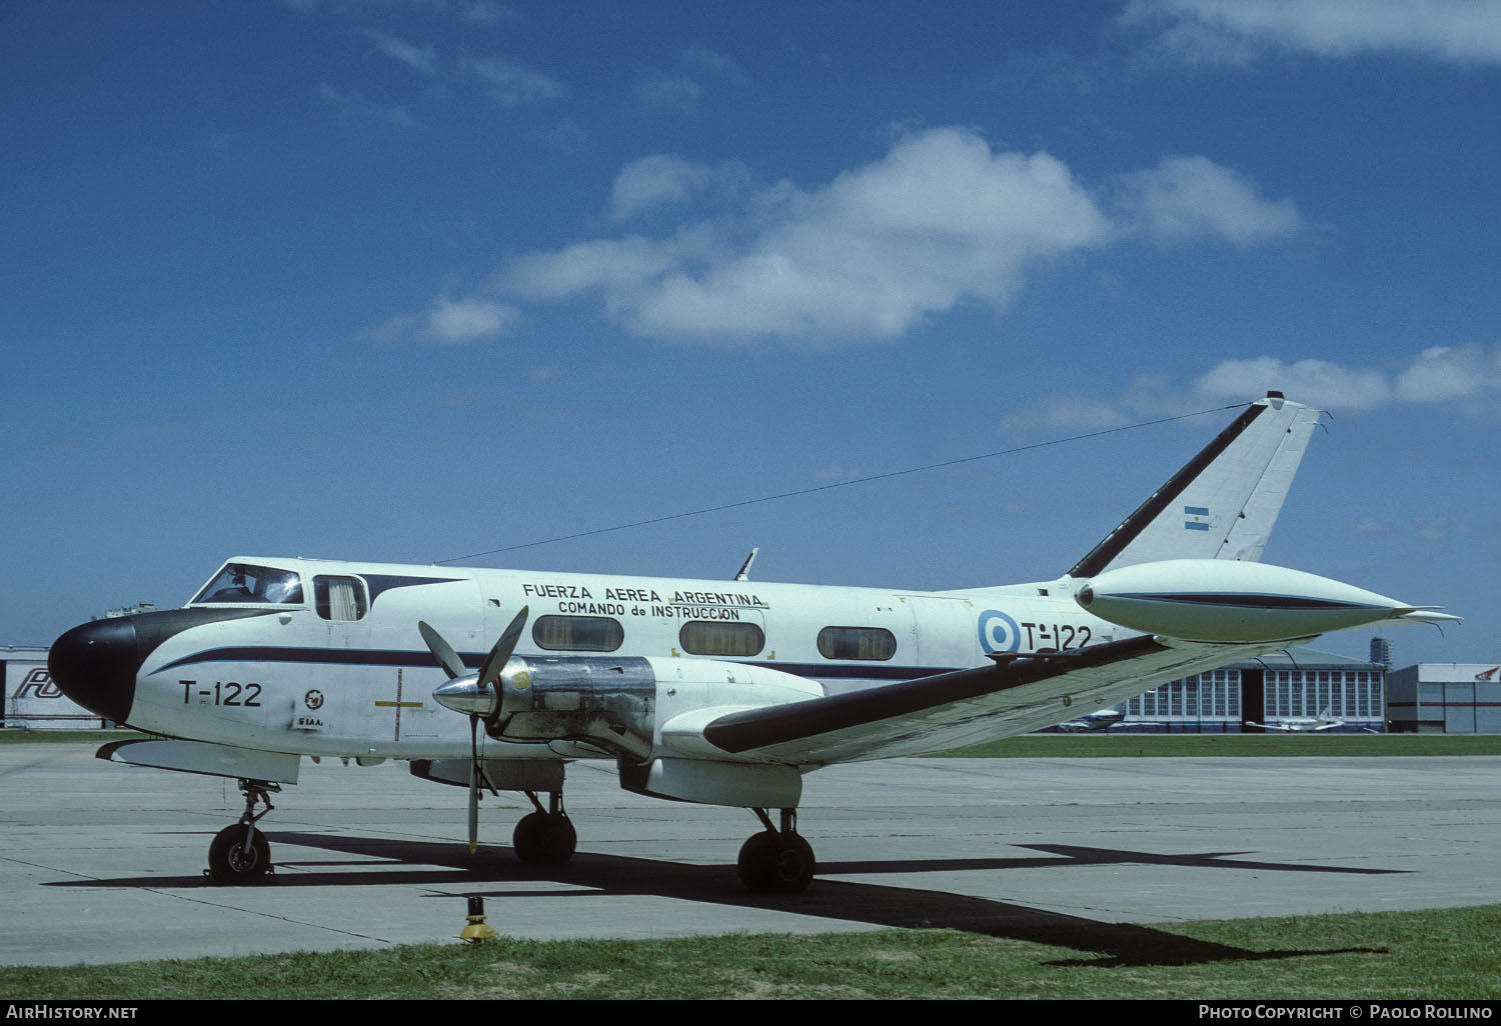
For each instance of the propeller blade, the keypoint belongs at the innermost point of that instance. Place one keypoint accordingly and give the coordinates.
(501, 653)
(474, 772)
(442, 651)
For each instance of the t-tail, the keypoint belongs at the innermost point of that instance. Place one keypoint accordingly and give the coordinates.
(1186, 564)
(1224, 502)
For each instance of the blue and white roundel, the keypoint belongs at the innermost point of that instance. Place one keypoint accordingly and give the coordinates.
(998, 632)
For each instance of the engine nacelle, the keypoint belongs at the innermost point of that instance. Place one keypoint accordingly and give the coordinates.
(740, 785)
(634, 707)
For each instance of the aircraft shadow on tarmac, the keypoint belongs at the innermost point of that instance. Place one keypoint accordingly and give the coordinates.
(380, 861)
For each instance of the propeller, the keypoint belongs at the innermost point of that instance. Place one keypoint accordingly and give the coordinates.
(442, 651)
(472, 693)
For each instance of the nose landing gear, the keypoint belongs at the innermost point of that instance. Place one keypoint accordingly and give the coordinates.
(240, 854)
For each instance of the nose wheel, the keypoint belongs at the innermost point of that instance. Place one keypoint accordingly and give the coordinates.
(777, 861)
(240, 854)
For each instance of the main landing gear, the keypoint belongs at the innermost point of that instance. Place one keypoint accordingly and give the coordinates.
(545, 837)
(777, 861)
(240, 854)
(774, 861)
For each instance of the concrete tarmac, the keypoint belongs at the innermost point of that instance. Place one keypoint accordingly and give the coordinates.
(102, 863)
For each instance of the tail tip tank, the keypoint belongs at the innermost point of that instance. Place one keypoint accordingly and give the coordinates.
(1238, 603)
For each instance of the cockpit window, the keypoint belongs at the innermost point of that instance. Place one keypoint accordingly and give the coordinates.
(259, 585)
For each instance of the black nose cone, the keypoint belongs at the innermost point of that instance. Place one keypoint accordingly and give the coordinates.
(95, 665)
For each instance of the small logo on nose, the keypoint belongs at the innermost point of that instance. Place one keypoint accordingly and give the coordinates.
(313, 699)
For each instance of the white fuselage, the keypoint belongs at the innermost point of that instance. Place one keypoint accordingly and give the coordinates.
(308, 677)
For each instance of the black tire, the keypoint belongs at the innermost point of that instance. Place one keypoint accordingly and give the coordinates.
(231, 862)
(773, 863)
(545, 839)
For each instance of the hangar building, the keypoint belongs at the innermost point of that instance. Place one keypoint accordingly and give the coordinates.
(1445, 698)
(1298, 684)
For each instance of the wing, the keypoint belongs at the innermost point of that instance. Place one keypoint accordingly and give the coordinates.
(950, 710)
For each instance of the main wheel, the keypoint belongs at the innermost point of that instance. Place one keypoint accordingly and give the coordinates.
(776, 863)
(232, 861)
(545, 838)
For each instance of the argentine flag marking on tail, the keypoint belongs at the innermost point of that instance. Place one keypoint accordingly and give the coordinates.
(1197, 518)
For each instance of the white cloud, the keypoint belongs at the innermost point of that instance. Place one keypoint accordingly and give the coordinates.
(1464, 379)
(1448, 373)
(1467, 375)
(419, 58)
(1314, 382)
(1237, 31)
(620, 268)
(1189, 197)
(451, 322)
(511, 85)
(468, 320)
(654, 181)
(664, 179)
(938, 220)
(680, 91)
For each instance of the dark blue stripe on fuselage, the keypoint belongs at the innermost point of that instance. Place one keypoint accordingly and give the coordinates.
(316, 656)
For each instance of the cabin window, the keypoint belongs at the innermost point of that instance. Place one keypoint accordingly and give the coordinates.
(257, 585)
(713, 638)
(856, 643)
(339, 598)
(578, 633)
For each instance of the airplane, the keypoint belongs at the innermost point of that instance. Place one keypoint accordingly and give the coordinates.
(1302, 724)
(723, 693)
(1100, 719)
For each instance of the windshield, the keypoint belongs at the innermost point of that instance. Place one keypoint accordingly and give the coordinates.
(244, 582)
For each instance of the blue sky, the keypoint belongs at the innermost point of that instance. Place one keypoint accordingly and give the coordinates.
(408, 280)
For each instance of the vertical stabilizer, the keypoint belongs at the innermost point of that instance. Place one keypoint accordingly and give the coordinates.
(1224, 502)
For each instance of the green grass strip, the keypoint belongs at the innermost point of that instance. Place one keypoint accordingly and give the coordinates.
(1450, 954)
